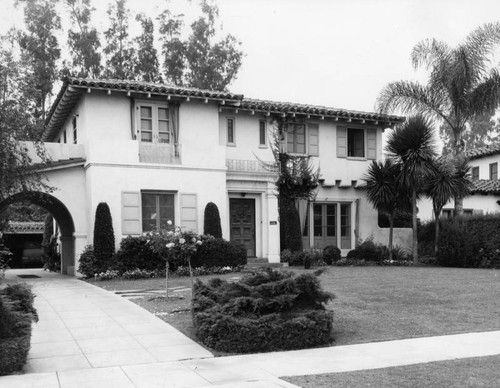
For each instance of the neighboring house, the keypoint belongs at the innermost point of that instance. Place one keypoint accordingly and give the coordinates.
(24, 240)
(156, 153)
(485, 196)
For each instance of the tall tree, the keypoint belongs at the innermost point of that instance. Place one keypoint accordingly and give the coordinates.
(461, 85)
(384, 192)
(119, 51)
(83, 40)
(411, 146)
(173, 48)
(483, 130)
(39, 52)
(449, 181)
(146, 66)
(201, 61)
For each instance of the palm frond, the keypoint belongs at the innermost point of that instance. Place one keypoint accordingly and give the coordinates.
(485, 97)
(429, 53)
(411, 97)
(481, 42)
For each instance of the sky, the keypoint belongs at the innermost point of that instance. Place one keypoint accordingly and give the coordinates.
(335, 53)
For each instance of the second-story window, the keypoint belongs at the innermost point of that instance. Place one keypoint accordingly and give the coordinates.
(230, 131)
(262, 132)
(296, 139)
(494, 171)
(75, 131)
(355, 142)
(154, 123)
(475, 173)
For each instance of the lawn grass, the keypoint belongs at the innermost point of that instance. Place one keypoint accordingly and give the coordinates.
(468, 372)
(373, 303)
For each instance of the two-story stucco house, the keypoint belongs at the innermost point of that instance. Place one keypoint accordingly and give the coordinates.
(485, 195)
(156, 153)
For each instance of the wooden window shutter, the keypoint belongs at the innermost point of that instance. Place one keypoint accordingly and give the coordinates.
(131, 213)
(341, 142)
(371, 141)
(313, 130)
(189, 212)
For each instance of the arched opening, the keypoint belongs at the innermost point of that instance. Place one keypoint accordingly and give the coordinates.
(63, 218)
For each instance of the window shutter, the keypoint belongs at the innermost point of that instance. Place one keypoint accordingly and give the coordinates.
(341, 142)
(189, 211)
(131, 213)
(371, 140)
(313, 130)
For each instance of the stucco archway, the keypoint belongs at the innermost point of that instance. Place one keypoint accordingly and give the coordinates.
(63, 218)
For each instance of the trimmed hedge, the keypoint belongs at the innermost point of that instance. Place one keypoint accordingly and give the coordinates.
(211, 223)
(134, 253)
(472, 241)
(16, 315)
(331, 254)
(266, 311)
(104, 237)
(219, 253)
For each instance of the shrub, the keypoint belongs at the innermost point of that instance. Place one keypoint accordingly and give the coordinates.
(265, 311)
(285, 256)
(472, 242)
(139, 274)
(16, 315)
(88, 266)
(331, 254)
(211, 224)
(104, 236)
(109, 274)
(134, 253)
(368, 251)
(307, 258)
(219, 253)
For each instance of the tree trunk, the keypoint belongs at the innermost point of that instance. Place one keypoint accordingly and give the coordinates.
(415, 238)
(191, 275)
(391, 234)
(166, 277)
(436, 234)
(459, 207)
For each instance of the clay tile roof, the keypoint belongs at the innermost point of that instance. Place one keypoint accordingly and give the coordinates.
(25, 227)
(317, 110)
(480, 152)
(486, 186)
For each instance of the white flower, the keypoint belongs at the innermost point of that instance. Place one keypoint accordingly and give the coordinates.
(193, 239)
(170, 245)
(198, 242)
(169, 222)
(170, 233)
(182, 241)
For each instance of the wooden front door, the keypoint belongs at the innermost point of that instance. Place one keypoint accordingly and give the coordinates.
(242, 223)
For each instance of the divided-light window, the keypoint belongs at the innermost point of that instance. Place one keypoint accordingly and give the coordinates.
(154, 124)
(157, 210)
(296, 139)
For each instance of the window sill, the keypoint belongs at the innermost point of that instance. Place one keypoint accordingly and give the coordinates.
(262, 146)
(231, 144)
(357, 158)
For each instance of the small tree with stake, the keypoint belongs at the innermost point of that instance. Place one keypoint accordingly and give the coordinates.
(212, 221)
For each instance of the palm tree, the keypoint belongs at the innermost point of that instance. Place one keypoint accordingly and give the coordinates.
(450, 181)
(461, 84)
(382, 191)
(411, 146)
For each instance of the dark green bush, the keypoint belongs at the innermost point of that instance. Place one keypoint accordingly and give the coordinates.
(219, 253)
(16, 315)
(88, 266)
(367, 251)
(134, 253)
(331, 254)
(266, 311)
(104, 237)
(211, 224)
(472, 242)
(290, 232)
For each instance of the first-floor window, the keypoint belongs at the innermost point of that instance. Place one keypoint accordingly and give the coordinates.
(157, 210)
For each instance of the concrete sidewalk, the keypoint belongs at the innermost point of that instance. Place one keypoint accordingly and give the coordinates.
(88, 337)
